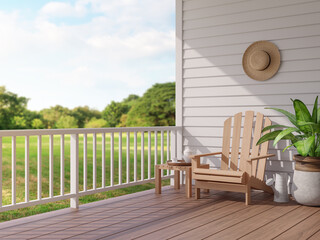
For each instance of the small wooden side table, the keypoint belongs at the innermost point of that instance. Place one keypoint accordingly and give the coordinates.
(177, 169)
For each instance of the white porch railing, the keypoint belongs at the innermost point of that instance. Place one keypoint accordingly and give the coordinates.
(96, 154)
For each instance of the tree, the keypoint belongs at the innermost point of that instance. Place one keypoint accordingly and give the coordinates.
(96, 123)
(67, 122)
(155, 108)
(113, 112)
(131, 100)
(52, 115)
(84, 114)
(12, 109)
(37, 124)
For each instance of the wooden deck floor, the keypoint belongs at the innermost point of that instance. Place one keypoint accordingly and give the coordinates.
(144, 215)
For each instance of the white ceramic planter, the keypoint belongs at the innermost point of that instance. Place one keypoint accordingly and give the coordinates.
(306, 187)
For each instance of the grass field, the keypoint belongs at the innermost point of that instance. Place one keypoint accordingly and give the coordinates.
(20, 170)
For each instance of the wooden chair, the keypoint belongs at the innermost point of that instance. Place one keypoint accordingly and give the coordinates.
(241, 169)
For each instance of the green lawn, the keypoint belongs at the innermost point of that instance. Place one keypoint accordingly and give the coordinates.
(20, 163)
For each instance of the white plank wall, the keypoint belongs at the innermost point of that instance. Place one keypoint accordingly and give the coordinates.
(214, 36)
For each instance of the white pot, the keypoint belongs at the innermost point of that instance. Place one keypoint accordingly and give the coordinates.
(187, 153)
(306, 187)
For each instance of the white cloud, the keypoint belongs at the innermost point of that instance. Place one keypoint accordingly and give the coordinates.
(62, 9)
(119, 49)
(142, 44)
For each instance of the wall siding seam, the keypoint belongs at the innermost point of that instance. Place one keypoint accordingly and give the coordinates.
(253, 31)
(212, 18)
(240, 12)
(248, 21)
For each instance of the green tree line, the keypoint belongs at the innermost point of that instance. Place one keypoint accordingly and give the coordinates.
(156, 107)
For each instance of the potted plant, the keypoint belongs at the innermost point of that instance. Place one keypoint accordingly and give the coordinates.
(305, 137)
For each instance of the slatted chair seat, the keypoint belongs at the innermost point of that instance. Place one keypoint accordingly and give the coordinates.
(251, 159)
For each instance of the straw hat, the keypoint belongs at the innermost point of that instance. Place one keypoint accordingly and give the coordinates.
(261, 60)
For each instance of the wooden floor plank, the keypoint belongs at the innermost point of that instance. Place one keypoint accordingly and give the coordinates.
(65, 222)
(300, 231)
(251, 224)
(218, 215)
(225, 222)
(179, 228)
(144, 210)
(148, 215)
(136, 228)
(282, 224)
(315, 236)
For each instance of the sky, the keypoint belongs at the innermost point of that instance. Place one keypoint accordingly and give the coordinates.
(85, 52)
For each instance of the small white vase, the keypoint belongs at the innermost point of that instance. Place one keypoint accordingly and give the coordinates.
(187, 153)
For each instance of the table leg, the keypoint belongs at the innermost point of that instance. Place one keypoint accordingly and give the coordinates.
(158, 179)
(189, 183)
(176, 179)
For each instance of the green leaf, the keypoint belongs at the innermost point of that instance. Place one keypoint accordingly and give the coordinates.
(302, 114)
(272, 135)
(287, 147)
(315, 111)
(304, 146)
(290, 116)
(317, 151)
(284, 133)
(315, 126)
(269, 136)
(318, 118)
(274, 126)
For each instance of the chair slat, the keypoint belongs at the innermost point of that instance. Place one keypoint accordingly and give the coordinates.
(226, 144)
(256, 137)
(246, 139)
(235, 141)
(263, 151)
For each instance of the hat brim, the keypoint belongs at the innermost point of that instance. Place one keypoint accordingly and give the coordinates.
(273, 67)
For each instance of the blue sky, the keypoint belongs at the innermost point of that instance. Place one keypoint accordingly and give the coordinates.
(85, 52)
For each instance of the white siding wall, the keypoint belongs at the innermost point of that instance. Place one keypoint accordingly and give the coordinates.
(212, 36)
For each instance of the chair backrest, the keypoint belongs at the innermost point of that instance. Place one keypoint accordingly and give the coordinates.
(250, 134)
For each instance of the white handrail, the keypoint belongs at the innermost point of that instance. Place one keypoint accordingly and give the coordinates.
(167, 145)
(37, 132)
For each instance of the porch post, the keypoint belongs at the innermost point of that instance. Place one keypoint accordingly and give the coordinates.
(74, 170)
(179, 80)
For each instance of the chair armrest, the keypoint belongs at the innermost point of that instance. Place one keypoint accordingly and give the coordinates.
(206, 154)
(196, 160)
(260, 157)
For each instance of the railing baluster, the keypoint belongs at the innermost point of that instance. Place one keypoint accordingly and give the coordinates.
(128, 157)
(62, 164)
(155, 147)
(26, 169)
(149, 154)
(168, 148)
(51, 166)
(74, 170)
(162, 150)
(120, 158)
(94, 159)
(112, 159)
(85, 160)
(142, 155)
(103, 149)
(39, 168)
(0, 171)
(146, 171)
(135, 157)
(13, 168)
(173, 144)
